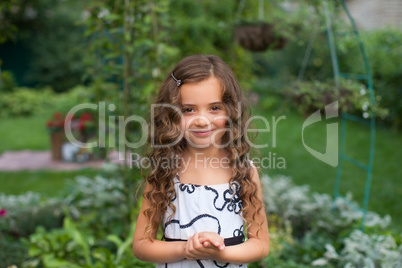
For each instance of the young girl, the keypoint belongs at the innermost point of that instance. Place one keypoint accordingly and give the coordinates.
(201, 188)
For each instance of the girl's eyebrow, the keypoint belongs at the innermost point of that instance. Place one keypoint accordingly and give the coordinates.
(212, 103)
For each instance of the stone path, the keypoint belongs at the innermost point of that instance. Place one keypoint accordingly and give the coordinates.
(41, 160)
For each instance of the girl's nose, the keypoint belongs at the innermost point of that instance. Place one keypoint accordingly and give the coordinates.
(201, 121)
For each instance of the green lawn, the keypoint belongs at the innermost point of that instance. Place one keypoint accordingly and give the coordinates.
(24, 133)
(386, 186)
(48, 183)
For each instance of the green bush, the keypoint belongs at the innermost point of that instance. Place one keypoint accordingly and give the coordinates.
(363, 250)
(353, 98)
(105, 203)
(12, 252)
(319, 224)
(23, 213)
(24, 102)
(47, 33)
(73, 247)
(384, 51)
(89, 196)
(7, 81)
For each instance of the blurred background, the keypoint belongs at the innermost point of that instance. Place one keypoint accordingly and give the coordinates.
(65, 206)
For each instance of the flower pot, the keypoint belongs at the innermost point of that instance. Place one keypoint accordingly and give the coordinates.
(258, 37)
(56, 142)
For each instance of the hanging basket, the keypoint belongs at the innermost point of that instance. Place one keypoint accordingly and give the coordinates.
(259, 37)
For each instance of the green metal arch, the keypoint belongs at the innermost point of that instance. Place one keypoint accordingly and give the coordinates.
(348, 117)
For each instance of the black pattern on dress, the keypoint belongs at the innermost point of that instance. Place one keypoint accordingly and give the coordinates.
(184, 226)
(225, 265)
(190, 188)
(200, 264)
(238, 232)
(231, 197)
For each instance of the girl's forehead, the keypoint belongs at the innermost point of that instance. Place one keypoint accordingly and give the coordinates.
(205, 92)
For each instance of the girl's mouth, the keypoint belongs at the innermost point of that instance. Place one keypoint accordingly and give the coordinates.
(202, 132)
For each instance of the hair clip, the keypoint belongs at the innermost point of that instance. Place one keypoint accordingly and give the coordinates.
(178, 82)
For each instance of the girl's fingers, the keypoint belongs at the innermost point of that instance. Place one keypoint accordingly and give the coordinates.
(213, 239)
(189, 249)
(200, 246)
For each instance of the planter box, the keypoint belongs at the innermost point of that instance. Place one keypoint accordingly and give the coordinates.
(56, 143)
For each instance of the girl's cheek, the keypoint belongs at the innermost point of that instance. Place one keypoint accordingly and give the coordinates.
(183, 122)
(220, 122)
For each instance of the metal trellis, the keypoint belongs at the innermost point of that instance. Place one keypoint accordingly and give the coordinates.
(367, 167)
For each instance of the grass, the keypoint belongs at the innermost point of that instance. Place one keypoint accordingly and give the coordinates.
(386, 185)
(47, 183)
(24, 133)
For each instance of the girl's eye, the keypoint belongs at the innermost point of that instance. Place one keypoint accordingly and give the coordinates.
(187, 110)
(215, 108)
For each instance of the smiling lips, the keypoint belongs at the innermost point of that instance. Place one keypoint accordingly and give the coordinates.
(202, 132)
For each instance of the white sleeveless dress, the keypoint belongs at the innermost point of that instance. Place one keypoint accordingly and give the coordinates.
(201, 208)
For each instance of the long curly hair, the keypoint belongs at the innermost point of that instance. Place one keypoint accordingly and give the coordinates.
(166, 140)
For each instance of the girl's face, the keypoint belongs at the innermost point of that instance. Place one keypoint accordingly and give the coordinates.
(204, 116)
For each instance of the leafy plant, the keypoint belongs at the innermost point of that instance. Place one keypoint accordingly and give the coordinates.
(72, 247)
(89, 196)
(384, 53)
(353, 98)
(363, 250)
(12, 252)
(315, 219)
(25, 212)
(24, 102)
(7, 81)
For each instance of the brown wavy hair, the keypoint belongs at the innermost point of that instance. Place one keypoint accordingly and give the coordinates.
(166, 129)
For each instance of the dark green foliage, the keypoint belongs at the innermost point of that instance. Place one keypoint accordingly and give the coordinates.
(12, 252)
(384, 52)
(54, 46)
(10, 14)
(207, 27)
(58, 48)
(7, 81)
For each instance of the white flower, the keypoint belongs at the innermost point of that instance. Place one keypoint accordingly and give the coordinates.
(331, 252)
(362, 91)
(155, 72)
(103, 13)
(365, 106)
(85, 14)
(366, 115)
(319, 262)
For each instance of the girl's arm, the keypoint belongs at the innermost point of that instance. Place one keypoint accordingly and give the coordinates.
(255, 248)
(154, 250)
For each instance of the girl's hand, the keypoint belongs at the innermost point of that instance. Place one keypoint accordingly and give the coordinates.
(195, 250)
(210, 239)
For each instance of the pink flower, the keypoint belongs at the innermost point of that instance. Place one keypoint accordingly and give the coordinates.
(3, 212)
